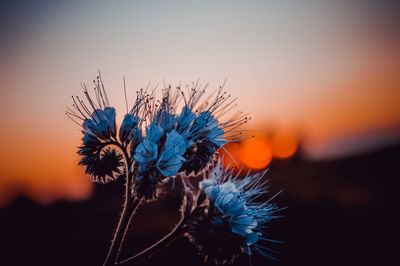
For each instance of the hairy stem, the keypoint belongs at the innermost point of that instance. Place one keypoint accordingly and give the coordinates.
(126, 230)
(178, 231)
(130, 205)
(123, 223)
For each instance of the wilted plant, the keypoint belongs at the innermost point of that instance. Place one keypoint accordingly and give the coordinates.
(156, 142)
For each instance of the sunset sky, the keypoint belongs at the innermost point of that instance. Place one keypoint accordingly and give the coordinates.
(326, 70)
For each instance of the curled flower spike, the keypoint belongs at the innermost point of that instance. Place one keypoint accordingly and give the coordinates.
(97, 120)
(230, 221)
(105, 167)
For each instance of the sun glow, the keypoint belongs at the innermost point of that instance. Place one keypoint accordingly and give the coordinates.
(259, 151)
(256, 153)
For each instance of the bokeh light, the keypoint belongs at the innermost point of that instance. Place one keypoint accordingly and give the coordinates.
(284, 144)
(256, 153)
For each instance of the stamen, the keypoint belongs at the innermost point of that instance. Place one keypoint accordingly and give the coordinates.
(126, 99)
(104, 91)
(77, 107)
(71, 117)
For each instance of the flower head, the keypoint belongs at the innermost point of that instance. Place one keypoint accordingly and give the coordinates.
(181, 142)
(160, 138)
(129, 129)
(230, 221)
(146, 152)
(97, 119)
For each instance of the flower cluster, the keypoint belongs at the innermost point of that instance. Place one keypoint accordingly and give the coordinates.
(180, 142)
(230, 221)
(178, 135)
(161, 141)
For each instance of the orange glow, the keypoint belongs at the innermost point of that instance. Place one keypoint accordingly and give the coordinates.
(284, 144)
(256, 152)
(41, 167)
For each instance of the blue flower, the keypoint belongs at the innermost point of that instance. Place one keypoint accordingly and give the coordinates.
(207, 128)
(186, 118)
(176, 142)
(90, 141)
(169, 162)
(97, 119)
(154, 132)
(165, 119)
(102, 123)
(146, 151)
(109, 115)
(171, 158)
(129, 128)
(206, 136)
(230, 214)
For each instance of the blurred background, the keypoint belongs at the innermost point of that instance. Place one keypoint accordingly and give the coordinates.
(320, 79)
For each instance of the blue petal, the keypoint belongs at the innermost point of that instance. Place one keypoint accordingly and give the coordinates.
(207, 183)
(208, 128)
(87, 125)
(136, 137)
(99, 129)
(176, 142)
(169, 163)
(167, 121)
(102, 128)
(154, 132)
(98, 114)
(109, 113)
(89, 139)
(203, 118)
(146, 151)
(243, 225)
(230, 203)
(186, 117)
(212, 191)
(130, 121)
(128, 126)
(215, 135)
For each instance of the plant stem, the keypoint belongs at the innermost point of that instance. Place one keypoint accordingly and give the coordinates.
(126, 229)
(120, 232)
(130, 205)
(178, 231)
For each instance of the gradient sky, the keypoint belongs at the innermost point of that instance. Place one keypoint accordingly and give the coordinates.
(328, 70)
